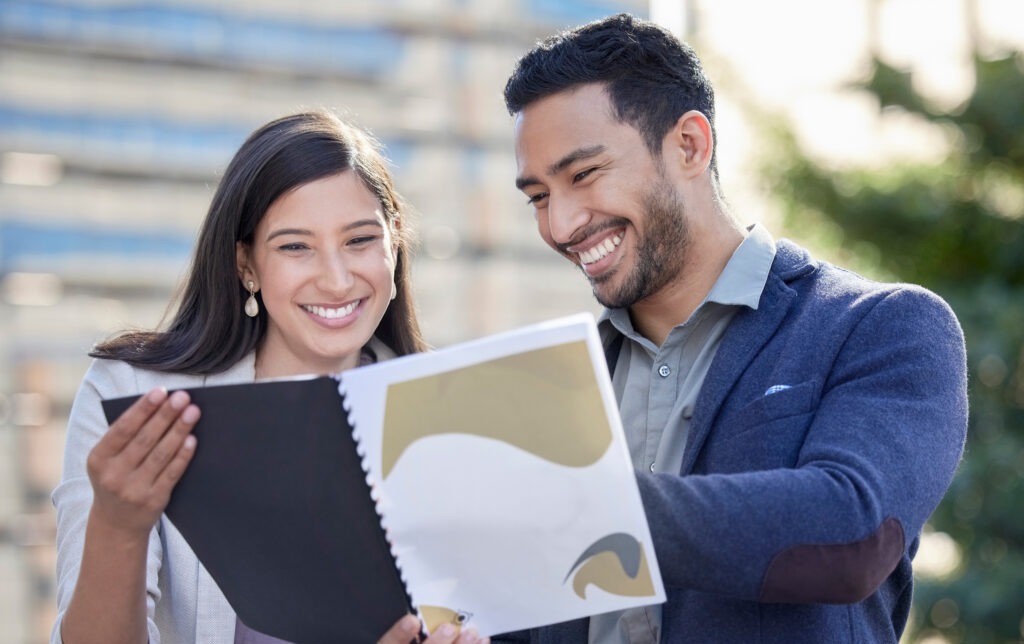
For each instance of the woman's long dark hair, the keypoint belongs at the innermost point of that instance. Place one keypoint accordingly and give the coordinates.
(209, 332)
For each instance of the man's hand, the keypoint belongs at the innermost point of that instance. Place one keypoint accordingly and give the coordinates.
(407, 629)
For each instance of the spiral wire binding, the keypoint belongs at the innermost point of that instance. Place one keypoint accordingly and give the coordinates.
(374, 491)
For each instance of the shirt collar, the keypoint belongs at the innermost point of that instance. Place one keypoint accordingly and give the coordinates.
(744, 276)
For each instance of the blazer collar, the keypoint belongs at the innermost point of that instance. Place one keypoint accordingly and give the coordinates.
(747, 333)
(242, 371)
(245, 369)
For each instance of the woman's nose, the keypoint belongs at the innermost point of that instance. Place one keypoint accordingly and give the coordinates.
(335, 274)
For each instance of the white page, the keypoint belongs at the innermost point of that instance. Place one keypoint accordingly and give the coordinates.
(494, 482)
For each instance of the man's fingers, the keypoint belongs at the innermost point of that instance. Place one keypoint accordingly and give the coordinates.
(407, 629)
(449, 634)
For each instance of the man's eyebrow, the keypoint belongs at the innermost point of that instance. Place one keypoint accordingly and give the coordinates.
(563, 163)
(576, 155)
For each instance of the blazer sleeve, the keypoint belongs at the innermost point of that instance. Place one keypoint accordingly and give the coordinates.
(72, 497)
(878, 449)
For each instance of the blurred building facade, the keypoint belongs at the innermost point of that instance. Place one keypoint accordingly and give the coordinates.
(116, 118)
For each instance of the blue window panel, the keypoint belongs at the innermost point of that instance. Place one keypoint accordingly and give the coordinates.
(473, 160)
(203, 34)
(20, 239)
(569, 13)
(398, 153)
(136, 137)
(150, 140)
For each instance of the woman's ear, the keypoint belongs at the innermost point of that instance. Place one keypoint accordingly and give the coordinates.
(396, 234)
(690, 143)
(245, 273)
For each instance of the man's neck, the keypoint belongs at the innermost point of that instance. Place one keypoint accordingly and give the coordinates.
(655, 316)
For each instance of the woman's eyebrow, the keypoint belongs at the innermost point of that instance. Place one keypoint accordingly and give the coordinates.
(303, 231)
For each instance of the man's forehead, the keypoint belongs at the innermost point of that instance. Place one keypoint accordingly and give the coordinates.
(557, 121)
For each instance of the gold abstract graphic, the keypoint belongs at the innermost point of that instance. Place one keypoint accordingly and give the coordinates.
(434, 616)
(545, 402)
(616, 564)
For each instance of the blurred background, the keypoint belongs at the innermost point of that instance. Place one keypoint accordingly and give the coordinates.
(887, 135)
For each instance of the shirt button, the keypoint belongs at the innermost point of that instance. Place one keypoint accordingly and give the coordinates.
(652, 467)
(664, 371)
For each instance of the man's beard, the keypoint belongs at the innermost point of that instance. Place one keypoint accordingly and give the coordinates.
(660, 252)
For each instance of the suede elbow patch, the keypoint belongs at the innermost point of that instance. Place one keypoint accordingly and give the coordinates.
(834, 574)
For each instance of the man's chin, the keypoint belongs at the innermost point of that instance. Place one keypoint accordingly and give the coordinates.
(608, 299)
(617, 295)
(607, 293)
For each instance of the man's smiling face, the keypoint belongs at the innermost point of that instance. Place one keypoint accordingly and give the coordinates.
(600, 198)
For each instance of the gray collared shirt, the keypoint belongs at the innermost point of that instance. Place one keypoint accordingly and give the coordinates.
(657, 389)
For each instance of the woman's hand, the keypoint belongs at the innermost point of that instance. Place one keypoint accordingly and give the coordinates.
(133, 469)
(407, 629)
(137, 463)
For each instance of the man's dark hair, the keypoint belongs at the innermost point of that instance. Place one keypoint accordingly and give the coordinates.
(651, 77)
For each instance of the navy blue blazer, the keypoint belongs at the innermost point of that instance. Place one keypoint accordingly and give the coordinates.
(826, 432)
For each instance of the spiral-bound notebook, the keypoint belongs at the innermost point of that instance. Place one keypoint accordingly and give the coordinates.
(485, 484)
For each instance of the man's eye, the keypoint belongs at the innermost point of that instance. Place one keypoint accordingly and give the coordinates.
(533, 200)
(580, 176)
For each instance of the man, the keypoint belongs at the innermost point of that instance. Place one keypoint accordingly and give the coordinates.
(793, 425)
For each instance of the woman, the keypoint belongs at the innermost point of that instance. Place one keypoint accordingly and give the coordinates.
(301, 266)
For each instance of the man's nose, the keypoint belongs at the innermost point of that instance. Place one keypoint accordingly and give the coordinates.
(566, 217)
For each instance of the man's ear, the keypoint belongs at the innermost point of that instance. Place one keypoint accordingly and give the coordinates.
(690, 144)
(245, 273)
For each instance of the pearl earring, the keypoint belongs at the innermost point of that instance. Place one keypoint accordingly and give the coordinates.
(252, 307)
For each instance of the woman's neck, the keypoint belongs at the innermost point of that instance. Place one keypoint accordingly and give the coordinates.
(268, 366)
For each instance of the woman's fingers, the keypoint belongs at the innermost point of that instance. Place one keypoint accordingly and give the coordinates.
(164, 420)
(404, 631)
(137, 431)
(136, 465)
(176, 467)
(128, 424)
(166, 461)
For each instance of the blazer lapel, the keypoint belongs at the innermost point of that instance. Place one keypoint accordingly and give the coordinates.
(747, 333)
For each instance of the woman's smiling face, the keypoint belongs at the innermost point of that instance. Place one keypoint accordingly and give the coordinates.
(323, 260)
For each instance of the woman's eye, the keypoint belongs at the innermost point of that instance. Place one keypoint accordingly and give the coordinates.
(292, 247)
(363, 239)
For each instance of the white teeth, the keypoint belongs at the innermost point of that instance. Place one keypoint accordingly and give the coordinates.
(331, 313)
(601, 250)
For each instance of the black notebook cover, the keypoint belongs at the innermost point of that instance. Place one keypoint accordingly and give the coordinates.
(276, 505)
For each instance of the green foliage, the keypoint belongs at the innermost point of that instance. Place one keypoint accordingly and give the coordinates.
(956, 227)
